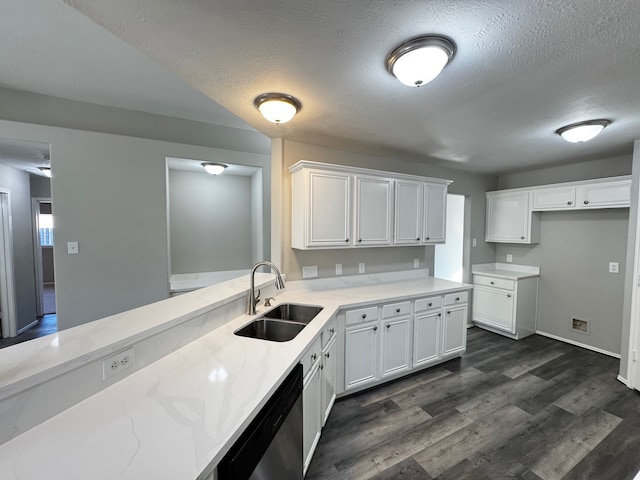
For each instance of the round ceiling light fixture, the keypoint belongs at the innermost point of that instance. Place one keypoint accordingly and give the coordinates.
(420, 60)
(214, 168)
(46, 171)
(582, 131)
(277, 107)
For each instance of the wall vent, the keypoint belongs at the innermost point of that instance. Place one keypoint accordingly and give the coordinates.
(581, 326)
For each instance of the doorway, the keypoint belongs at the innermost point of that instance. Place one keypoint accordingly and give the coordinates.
(448, 262)
(43, 254)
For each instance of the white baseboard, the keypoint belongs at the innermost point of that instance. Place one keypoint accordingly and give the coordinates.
(578, 344)
(623, 381)
(24, 329)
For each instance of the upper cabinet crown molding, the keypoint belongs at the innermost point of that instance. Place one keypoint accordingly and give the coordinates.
(335, 206)
(512, 215)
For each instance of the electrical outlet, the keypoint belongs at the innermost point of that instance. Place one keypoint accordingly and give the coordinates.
(361, 267)
(509, 258)
(118, 363)
(416, 263)
(310, 272)
(614, 267)
(474, 242)
(338, 269)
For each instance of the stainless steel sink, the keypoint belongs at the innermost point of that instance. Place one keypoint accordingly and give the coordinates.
(270, 329)
(281, 323)
(294, 312)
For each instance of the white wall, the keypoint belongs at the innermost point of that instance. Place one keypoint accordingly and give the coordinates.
(109, 195)
(210, 222)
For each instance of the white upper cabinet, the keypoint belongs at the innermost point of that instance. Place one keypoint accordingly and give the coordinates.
(374, 203)
(408, 213)
(555, 198)
(509, 218)
(512, 214)
(605, 195)
(321, 209)
(334, 206)
(435, 213)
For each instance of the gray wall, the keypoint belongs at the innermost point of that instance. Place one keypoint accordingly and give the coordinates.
(573, 255)
(109, 195)
(376, 259)
(210, 219)
(25, 285)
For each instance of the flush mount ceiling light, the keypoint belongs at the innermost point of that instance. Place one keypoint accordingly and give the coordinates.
(277, 107)
(46, 171)
(582, 131)
(420, 60)
(214, 168)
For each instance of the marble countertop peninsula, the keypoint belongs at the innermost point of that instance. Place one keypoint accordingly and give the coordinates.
(177, 417)
(505, 270)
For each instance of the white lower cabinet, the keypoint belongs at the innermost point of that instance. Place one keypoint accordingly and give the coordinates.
(361, 354)
(454, 338)
(494, 307)
(396, 347)
(329, 379)
(426, 338)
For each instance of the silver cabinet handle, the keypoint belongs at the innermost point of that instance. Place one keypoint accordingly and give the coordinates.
(321, 366)
(429, 304)
(346, 240)
(439, 314)
(449, 312)
(508, 295)
(327, 355)
(522, 237)
(428, 238)
(364, 315)
(397, 310)
(457, 299)
(314, 357)
(492, 282)
(418, 239)
(586, 202)
(569, 202)
(359, 240)
(332, 331)
(388, 326)
(375, 328)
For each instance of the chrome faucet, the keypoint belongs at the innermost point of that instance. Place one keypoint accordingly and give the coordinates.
(253, 298)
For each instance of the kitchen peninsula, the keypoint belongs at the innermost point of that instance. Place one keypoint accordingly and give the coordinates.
(177, 417)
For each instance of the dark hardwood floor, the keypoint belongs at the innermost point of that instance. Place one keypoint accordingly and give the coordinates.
(529, 409)
(46, 325)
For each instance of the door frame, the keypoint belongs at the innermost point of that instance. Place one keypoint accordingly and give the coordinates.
(7, 272)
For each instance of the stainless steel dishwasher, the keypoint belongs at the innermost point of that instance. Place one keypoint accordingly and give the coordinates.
(271, 447)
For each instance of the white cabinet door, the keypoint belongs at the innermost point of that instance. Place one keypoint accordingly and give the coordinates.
(360, 354)
(408, 213)
(396, 346)
(494, 307)
(329, 372)
(329, 207)
(426, 338)
(454, 329)
(508, 217)
(557, 198)
(435, 213)
(603, 195)
(373, 211)
(311, 413)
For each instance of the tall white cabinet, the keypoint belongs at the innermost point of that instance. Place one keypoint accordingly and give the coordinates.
(335, 206)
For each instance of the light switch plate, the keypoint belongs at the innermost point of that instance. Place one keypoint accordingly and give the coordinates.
(474, 243)
(509, 258)
(72, 248)
(614, 267)
(361, 267)
(416, 263)
(338, 269)
(310, 272)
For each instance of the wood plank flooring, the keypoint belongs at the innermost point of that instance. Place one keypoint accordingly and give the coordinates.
(532, 409)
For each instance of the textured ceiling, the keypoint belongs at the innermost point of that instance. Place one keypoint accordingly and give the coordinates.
(522, 70)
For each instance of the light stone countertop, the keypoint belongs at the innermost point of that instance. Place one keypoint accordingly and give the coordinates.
(505, 270)
(176, 418)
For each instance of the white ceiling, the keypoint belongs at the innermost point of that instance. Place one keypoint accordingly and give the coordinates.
(522, 70)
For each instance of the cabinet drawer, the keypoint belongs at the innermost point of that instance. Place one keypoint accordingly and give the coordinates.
(423, 304)
(311, 356)
(328, 332)
(395, 309)
(361, 315)
(494, 282)
(455, 298)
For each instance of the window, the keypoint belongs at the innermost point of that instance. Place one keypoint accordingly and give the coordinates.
(46, 229)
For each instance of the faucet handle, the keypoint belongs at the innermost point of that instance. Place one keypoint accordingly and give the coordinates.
(267, 301)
